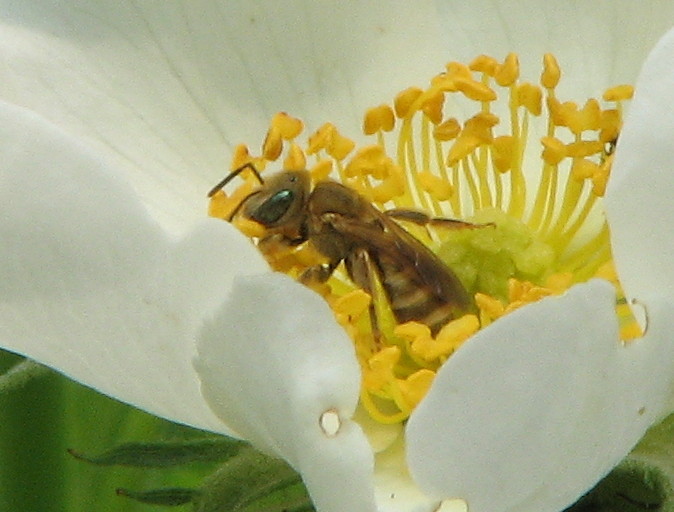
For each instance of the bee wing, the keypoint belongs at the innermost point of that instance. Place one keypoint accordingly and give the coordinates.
(388, 243)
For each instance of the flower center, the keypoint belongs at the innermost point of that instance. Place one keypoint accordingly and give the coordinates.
(520, 172)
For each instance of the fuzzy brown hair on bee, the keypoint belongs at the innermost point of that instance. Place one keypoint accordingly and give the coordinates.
(345, 227)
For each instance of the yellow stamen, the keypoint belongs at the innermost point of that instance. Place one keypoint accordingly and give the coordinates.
(530, 236)
(377, 119)
(295, 160)
(288, 127)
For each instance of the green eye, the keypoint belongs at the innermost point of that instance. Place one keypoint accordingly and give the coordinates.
(273, 208)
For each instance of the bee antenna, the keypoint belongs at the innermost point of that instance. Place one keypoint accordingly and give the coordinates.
(233, 175)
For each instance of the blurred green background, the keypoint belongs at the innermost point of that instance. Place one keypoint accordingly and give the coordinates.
(51, 414)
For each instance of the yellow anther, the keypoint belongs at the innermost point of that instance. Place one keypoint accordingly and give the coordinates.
(352, 304)
(476, 132)
(481, 125)
(393, 186)
(378, 119)
(474, 90)
(503, 152)
(308, 256)
(221, 206)
(554, 150)
(462, 147)
(321, 170)
(404, 100)
(368, 160)
(584, 148)
(329, 139)
(489, 307)
(583, 169)
(380, 368)
(457, 331)
(587, 118)
(600, 178)
(561, 112)
(524, 292)
(340, 146)
(320, 139)
(248, 227)
(288, 127)
(241, 156)
(295, 159)
(411, 330)
(273, 144)
(458, 70)
(610, 125)
(439, 188)
(432, 106)
(218, 206)
(484, 64)
(450, 337)
(530, 97)
(414, 388)
(444, 82)
(618, 93)
(447, 130)
(551, 72)
(508, 72)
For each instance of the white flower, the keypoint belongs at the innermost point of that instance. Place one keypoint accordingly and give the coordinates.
(526, 416)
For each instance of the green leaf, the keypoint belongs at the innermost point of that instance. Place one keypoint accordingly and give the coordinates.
(166, 454)
(21, 374)
(31, 444)
(169, 497)
(642, 482)
(253, 482)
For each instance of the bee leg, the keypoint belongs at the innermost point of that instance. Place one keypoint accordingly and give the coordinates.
(317, 274)
(423, 219)
(362, 271)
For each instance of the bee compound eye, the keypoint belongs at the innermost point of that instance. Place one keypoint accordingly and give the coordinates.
(270, 211)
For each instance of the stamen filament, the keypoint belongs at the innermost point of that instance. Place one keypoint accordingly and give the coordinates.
(509, 253)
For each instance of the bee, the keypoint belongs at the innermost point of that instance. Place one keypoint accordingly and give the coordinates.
(345, 227)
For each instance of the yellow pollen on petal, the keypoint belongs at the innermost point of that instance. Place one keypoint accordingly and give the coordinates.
(499, 178)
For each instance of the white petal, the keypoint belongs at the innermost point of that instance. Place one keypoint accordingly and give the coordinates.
(539, 406)
(169, 90)
(396, 491)
(91, 286)
(274, 358)
(638, 200)
(610, 39)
